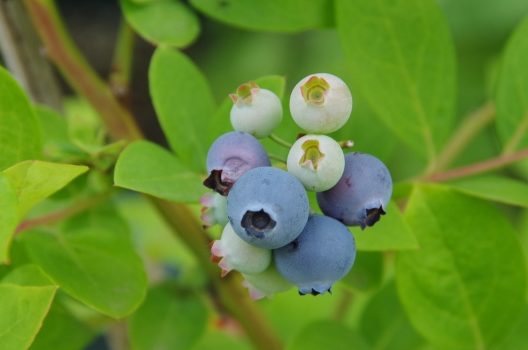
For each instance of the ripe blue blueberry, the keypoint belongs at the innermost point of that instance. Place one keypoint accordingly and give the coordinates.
(322, 254)
(317, 161)
(320, 103)
(268, 207)
(265, 284)
(361, 195)
(230, 156)
(255, 111)
(236, 254)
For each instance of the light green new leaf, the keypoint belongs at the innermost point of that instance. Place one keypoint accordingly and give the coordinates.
(496, 188)
(8, 216)
(148, 168)
(167, 22)
(384, 324)
(465, 287)
(34, 180)
(401, 58)
(220, 122)
(511, 96)
(390, 233)
(23, 310)
(269, 15)
(96, 265)
(326, 335)
(168, 321)
(184, 104)
(20, 134)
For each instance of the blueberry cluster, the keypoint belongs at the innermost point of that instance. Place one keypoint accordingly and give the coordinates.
(270, 234)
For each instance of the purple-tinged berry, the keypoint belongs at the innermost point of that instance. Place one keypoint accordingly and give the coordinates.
(230, 156)
(317, 161)
(255, 111)
(361, 195)
(322, 254)
(238, 255)
(321, 103)
(268, 207)
(266, 283)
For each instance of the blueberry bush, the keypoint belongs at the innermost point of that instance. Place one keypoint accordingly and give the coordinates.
(110, 240)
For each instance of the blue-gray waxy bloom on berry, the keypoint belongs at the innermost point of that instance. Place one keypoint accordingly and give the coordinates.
(268, 207)
(322, 254)
(230, 156)
(361, 195)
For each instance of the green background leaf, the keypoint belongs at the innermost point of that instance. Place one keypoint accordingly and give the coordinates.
(465, 287)
(184, 104)
(511, 97)
(270, 15)
(148, 168)
(407, 77)
(8, 216)
(20, 134)
(168, 320)
(23, 310)
(326, 335)
(390, 233)
(495, 188)
(93, 260)
(167, 22)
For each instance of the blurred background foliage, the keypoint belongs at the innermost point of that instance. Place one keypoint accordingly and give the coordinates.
(364, 308)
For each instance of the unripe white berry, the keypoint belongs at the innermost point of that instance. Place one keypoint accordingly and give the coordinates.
(321, 103)
(317, 161)
(238, 255)
(266, 283)
(255, 111)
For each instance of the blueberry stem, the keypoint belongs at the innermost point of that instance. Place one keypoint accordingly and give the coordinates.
(346, 144)
(280, 141)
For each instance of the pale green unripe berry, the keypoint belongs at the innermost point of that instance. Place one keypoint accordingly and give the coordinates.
(317, 161)
(238, 255)
(266, 284)
(255, 111)
(321, 103)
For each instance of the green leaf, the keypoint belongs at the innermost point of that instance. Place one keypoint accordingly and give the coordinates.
(407, 77)
(23, 310)
(220, 122)
(168, 321)
(390, 233)
(162, 22)
(62, 331)
(326, 335)
(495, 188)
(20, 134)
(518, 337)
(148, 168)
(8, 217)
(511, 97)
(465, 287)
(94, 261)
(34, 180)
(184, 104)
(270, 15)
(384, 324)
(367, 272)
(28, 275)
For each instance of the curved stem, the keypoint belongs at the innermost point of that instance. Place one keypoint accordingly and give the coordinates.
(277, 158)
(280, 141)
(468, 129)
(121, 125)
(480, 167)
